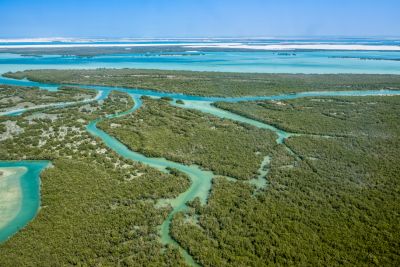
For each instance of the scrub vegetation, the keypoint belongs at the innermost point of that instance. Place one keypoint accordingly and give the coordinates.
(335, 116)
(331, 198)
(337, 206)
(227, 148)
(96, 207)
(12, 97)
(137, 51)
(213, 83)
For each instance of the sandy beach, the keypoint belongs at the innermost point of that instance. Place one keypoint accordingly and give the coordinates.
(224, 45)
(5, 172)
(10, 193)
(278, 47)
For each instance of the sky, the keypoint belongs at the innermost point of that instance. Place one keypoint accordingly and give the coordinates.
(198, 18)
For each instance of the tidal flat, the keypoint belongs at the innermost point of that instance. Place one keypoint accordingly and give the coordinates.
(10, 193)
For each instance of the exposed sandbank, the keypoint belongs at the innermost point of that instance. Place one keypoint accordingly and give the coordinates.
(278, 47)
(267, 47)
(10, 193)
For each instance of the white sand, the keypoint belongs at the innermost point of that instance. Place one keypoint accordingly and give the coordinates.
(10, 193)
(86, 40)
(75, 45)
(300, 47)
(36, 40)
(5, 172)
(197, 45)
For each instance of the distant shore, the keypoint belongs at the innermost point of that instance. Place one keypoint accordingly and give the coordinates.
(199, 45)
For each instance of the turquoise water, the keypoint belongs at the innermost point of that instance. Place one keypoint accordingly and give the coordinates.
(260, 181)
(200, 179)
(383, 62)
(107, 89)
(207, 107)
(16, 112)
(27, 182)
(302, 62)
(181, 41)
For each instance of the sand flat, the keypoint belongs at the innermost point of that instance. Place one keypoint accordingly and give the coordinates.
(10, 193)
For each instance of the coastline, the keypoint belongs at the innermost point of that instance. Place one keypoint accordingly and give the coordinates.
(227, 45)
(10, 193)
(19, 195)
(290, 47)
(5, 172)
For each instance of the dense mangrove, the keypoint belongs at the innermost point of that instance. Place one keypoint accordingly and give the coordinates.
(330, 192)
(213, 83)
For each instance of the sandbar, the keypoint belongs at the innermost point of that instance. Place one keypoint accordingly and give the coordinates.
(10, 193)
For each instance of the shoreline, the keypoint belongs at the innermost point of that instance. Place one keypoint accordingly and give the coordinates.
(302, 47)
(5, 172)
(10, 193)
(196, 45)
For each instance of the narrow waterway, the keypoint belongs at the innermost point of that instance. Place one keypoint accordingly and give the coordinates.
(15, 112)
(207, 107)
(200, 179)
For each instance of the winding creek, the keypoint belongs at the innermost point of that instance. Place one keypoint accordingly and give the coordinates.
(16, 112)
(200, 179)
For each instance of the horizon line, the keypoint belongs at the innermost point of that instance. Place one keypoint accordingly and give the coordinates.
(201, 37)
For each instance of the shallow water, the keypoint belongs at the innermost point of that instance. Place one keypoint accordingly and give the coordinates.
(16, 112)
(22, 191)
(318, 62)
(10, 197)
(383, 62)
(207, 107)
(260, 181)
(139, 92)
(200, 179)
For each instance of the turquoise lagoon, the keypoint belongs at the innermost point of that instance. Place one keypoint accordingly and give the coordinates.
(371, 62)
(19, 194)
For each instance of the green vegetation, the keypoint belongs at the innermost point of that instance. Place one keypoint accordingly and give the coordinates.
(97, 208)
(96, 51)
(338, 205)
(158, 129)
(336, 116)
(212, 83)
(22, 97)
(331, 199)
(138, 51)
